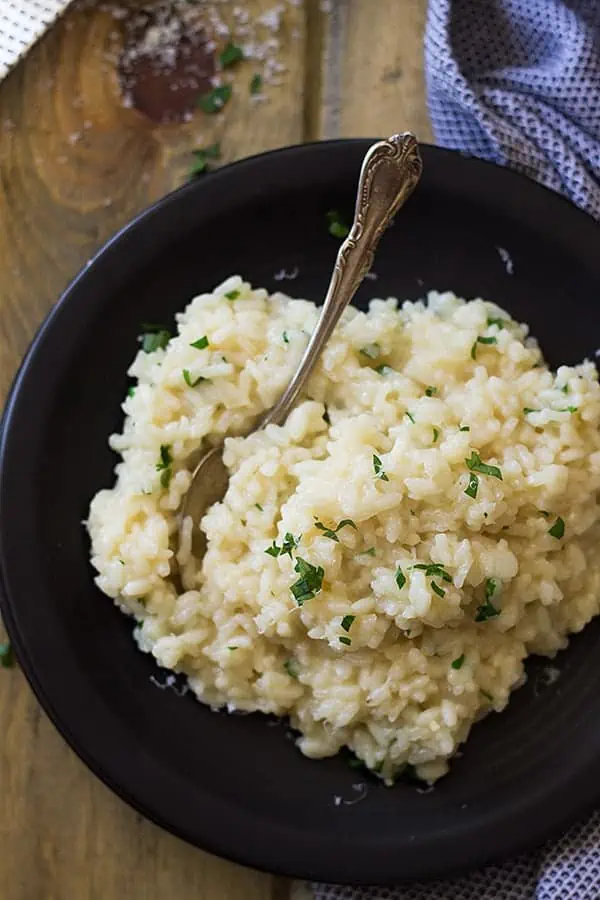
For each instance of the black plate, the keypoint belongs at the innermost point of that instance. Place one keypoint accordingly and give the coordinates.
(236, 785)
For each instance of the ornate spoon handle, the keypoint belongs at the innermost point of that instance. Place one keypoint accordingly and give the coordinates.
(390, 172)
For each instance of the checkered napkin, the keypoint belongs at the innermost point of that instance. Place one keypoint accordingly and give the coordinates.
(22, 22)
(517, 82)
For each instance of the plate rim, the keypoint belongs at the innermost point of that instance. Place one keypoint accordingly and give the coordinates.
(271, 860)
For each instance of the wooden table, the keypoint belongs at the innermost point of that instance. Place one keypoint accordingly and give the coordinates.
(75, 164)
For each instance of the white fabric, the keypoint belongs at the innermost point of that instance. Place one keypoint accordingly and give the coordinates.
(22, 22)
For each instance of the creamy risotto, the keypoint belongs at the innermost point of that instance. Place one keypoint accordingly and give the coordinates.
(382, 564)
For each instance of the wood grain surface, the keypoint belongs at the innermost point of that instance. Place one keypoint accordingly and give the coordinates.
(75, 165)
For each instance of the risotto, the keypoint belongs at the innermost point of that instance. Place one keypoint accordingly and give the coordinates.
(384, 562)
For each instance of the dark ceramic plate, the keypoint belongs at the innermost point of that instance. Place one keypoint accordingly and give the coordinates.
(236, 785)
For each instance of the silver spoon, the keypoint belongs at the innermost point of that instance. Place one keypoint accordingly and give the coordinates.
(390, 172)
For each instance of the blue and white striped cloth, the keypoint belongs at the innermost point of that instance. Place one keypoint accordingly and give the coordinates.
(517, 82)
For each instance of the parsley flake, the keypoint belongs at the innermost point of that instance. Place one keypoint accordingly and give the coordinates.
(131, 391)
(464, 428)
(437, 589)
(558, 529)
(436, 434)
(232, 295)
(472, 487)
(475, 464)
(458, 662)
(347, 621)
(430, 391)
(372, 351)
(332, 533)
(487, 610)
(400, 578)
(202, 157)
(528, 409)
(259, 507)
(154, 337)
(273, 550)
(433, 569)
(201, 343)
(7, 656)
(481, 340)
(499, 323)
(569, 409)
(288, 544)
(410, 416)
(309, 583)
(231, 55)
(164, 465)
(378, 469)
(256, 84)
(337, 227)
(192, 382)
(291, 667)
(345, 640)
(214, 101)
(285, 337)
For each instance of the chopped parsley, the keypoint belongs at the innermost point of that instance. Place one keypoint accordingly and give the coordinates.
(332, 533)
(214, 101)
(458, 662)
(558, 529)
(464, 428)
(383, 370)
(345, 640)
(131, 391)
(410, 416)
(487, 610)
(347, 621)
(570, 409)
(372, 351)
(437, 589)
(309, 583)
(288, 544)
(231, 55)
(433, 569)
(430, 391)
(7, 656)
(164, 465)
(545, 514)
(378, 469)
(481, 340)
(259, 507)
(232, 648)
(192, 382)
(337, 227)
(565, 388)
(528, 409)
(499, 323)
(201, 343)
(436, 434)
(273, 550)
(472, 487)
(291, 667)
(400, 578)
(256, 84)
(202, 157)
(475, 464)
(232, 295)
(154, 337)
(285, 337)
